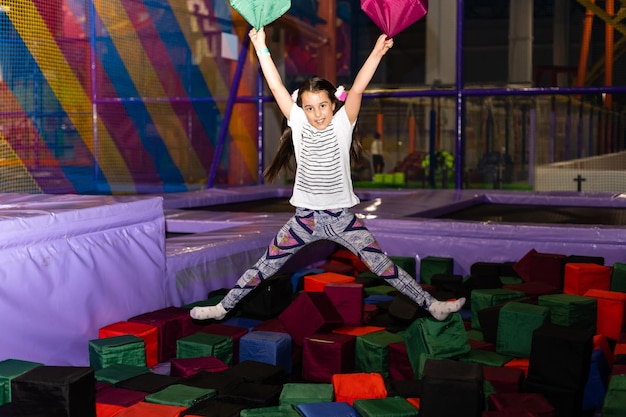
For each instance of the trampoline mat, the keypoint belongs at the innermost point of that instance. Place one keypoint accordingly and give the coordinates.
(272, 205)
(486, 212)
(520, 213)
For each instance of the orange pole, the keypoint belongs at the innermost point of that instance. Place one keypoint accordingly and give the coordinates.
(379, 125)
(608, 48)
(438, 127)
(327, 53)
(411, 134)
(584, 47)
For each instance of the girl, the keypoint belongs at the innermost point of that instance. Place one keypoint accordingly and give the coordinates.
(320, 136)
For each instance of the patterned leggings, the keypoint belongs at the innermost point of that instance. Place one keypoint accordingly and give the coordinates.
(340, 226)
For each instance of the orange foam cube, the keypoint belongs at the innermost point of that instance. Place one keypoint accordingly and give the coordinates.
(580, 277)
(317, 282)
(611, 312)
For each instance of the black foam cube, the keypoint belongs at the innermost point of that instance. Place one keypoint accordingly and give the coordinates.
(451, 389)
(560, 356)
(55, 391)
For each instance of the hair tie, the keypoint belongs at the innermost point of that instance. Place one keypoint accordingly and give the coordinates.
(340, 93)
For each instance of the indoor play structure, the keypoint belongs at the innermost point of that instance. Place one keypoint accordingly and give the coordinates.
(129, 97)
(131, 130)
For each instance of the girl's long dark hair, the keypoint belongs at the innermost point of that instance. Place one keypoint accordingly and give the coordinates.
(284, 158)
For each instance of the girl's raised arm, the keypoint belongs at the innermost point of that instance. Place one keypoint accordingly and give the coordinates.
(270, 72)
(363, 78)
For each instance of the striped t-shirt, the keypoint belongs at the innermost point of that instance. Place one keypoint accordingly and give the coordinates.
(323, 179)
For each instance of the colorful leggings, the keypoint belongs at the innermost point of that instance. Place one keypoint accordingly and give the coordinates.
(340, 226)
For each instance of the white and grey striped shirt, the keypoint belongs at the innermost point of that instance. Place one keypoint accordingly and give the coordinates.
(323, 178)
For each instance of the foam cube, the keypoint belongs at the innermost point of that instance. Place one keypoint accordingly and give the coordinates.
(317, 282)
(117, 372)
(383, 407)
(304, 393)
(358, 386)
(372, 354)
(55, 391)
(443, 376)
(148, 332)
(541, 267)
(432, 338)
(527, 401)
(618, 277)
(310, 312)
(580, 277)
(560, 356)
(432, 265)
(408, 263)
(516, 325)
(570, 310)
(185, 367)
(398, 362)
(255, 371)
(611, 314)
(180, 395)
(234, 332)
(205, 344)
(337, 267)
(148, 382)
(338, 409)
(348, 300)
(615, 400)
(125, 349)
(120, 396)
(268, 347)
(489, 297)
(170, 323)
(9, 369)
(504, 379)
(274, 411)
(345, 256)
(269, 298)
(145, 408)
(326, 354)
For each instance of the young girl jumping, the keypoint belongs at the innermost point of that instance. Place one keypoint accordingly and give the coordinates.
(320, 136)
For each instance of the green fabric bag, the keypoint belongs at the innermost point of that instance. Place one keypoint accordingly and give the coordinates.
(516, 325)
(511, 280)
(384, 289)
(276, 411)
(9, 369)
(408, 263)
(445, 339)
(489, 297)
(205, 344)
(433, 265)
(372, 351)
(485, 357)
(615, 398)
(423, 357)
(571, 310)
(306, 393)
(475, 335)
(488, 389)
(385, 407)
(3, 391)
(124, 349)
(618, 277)
(119, 372)
(181, 395)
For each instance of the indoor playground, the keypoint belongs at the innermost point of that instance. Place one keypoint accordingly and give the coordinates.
(133, 139)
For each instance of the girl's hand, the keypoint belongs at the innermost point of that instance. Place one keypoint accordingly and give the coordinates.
(257, 37)
(383, 44)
